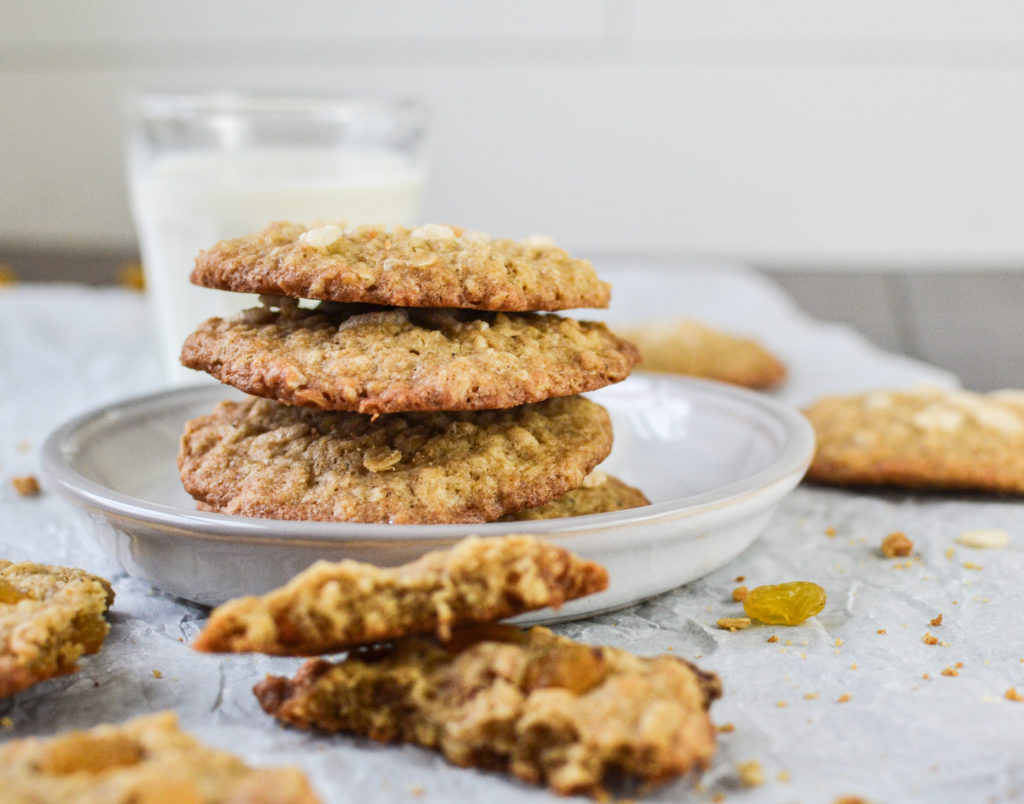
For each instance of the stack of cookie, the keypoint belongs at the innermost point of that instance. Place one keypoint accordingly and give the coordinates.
(423, 388)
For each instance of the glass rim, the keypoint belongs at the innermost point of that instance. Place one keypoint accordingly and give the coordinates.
(156, 103)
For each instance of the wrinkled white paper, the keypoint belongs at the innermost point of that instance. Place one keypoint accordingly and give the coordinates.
(899, 737)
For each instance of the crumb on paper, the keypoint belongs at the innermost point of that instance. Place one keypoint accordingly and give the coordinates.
(970, 565)
(851, 800)
(838, 643)
(718, 798)
(733, 623)
(781, 704)
(739, 593)
(853, 666)
(750, 773)
(959, 664)
(739, 579)
(1012, 695)
(811, 696)
(897, 544)
(844, 698)
(935, 621)
(130, 275)
(774, 638)
(950, 552)
(726, 728)
(949, 671)
(928, 639)
(783, 776)
(881, 631)
(157, 674)
(830, 532)
(926, 677)
(26, 485)
(984, 538)
(417, 790)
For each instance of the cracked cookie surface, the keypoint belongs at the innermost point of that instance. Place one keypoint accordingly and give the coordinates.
(955, 440)
(332, 606)
(263, 459)
(429, 266)
(49, 618)
(148, 759)
(348, 357)
(542, 707)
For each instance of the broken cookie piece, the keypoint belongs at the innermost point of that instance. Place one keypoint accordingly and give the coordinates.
(49, 618)
(540, 706)
(148, 759)
(334, 606)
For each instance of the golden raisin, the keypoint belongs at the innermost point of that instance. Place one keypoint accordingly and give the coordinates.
(576, 668)
(784, 603)
(9, 593)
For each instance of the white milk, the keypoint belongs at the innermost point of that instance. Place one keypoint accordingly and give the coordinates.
(189, 202)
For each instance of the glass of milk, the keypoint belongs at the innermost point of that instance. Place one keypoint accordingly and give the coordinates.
(205, 167)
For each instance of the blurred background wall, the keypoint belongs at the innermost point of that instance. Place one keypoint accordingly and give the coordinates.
(868, 156)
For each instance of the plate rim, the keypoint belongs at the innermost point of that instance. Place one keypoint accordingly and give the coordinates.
(783, 473)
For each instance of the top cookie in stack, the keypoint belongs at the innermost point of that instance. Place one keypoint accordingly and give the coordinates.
(430, 326)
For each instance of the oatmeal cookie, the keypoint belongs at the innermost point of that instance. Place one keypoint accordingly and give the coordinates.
(691, 348)
(333, 606)
(599, 494)
(260, 458)
(429, 266)
(148, 759)
(537, 705)
(392, 360)
(954, 440)
(49, 618)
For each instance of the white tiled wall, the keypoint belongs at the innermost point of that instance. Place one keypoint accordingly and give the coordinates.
(799, 132)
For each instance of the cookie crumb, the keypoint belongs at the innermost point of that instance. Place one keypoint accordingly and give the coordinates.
(950, 552)
(926, 677)
(782, 776)
(897, 544)
(781, 704)
(417, 790)
(739, 593)
(928, 639)
(718, 798)
(970, 565)
(830, 532)
(935, 621)
(881, 631)
(157, 674)
(739, 579)
(733, 623)
(949, 671)
(1012, 695)
(750, 773)
(990, 538)
(26, 485)
(811, 696)
(726, 728)
(838, 643)
(844, 698)
(774, 638)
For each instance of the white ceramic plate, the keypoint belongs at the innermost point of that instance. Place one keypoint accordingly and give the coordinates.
(713, 459)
